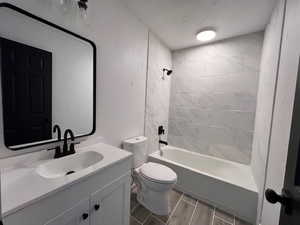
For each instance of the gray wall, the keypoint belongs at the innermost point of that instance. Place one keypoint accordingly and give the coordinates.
(213, 97)
(265, 100)
(158, 91)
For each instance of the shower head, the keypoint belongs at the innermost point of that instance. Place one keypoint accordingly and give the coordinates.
(169, 72)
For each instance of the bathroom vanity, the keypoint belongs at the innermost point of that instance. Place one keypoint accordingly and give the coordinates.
(96, 195)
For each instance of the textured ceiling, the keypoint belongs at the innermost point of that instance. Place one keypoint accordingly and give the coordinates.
(177, 21)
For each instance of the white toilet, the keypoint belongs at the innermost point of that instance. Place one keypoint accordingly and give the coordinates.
(154, 181)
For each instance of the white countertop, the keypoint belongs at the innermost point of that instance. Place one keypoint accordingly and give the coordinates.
(22, 186)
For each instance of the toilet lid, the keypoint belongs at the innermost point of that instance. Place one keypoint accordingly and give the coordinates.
(158, 173)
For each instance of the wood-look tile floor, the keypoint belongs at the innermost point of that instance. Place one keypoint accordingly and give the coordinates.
(185, 210)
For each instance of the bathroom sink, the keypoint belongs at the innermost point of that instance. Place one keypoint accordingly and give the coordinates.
(67, 165)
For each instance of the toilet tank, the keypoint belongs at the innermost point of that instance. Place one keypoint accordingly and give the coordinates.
(138, 147)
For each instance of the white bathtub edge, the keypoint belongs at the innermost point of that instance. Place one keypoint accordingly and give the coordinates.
(243, 200)
(253, 189)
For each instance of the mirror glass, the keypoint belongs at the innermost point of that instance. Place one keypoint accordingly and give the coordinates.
(47, 78)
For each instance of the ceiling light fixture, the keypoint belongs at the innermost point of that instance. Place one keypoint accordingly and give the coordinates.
(206, 35)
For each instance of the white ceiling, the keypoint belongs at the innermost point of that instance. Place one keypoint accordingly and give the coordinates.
(177, 21)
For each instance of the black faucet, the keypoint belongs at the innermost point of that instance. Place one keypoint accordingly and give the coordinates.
(67, 151)
(57, 129)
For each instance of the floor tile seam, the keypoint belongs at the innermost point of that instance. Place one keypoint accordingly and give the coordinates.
(158, 219)
(172, 213)
(189, 202)
(213, 216)
(145, 220)
(195, 207)
(136, 220)
(224, 220)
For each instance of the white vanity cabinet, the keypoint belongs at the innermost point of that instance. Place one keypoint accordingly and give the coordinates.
(78, 215)
(110, 206)
(101, 198)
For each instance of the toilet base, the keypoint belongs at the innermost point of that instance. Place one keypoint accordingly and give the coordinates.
(154, 196)
(156, 202)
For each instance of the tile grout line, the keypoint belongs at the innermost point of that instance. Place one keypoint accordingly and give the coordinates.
(226, 221)
(188, 202)
(145, 220)
(136, 220)
(158, 219)
(151, 214)
(213, 218)
(181, 197)
(195, 207)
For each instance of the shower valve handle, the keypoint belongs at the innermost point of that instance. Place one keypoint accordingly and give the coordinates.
(161, 130)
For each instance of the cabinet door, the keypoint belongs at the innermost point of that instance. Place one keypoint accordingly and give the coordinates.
(110, 205)
(78, 215)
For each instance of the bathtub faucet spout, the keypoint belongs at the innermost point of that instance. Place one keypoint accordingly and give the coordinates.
(163, 142)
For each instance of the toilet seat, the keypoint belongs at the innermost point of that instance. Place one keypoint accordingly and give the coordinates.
(158, 173)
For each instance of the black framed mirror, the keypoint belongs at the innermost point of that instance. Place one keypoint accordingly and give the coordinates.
(48, 78)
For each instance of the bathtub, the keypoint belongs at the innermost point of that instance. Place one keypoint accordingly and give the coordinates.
(224, 184)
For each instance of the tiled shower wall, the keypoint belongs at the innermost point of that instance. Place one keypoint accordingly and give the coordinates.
(158, 91)
(213, 97)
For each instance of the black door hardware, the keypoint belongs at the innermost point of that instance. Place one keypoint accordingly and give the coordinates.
(284, 199)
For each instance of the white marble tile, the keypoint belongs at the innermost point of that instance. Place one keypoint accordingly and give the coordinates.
(213, 97)
(158, 91)
(230, 153)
